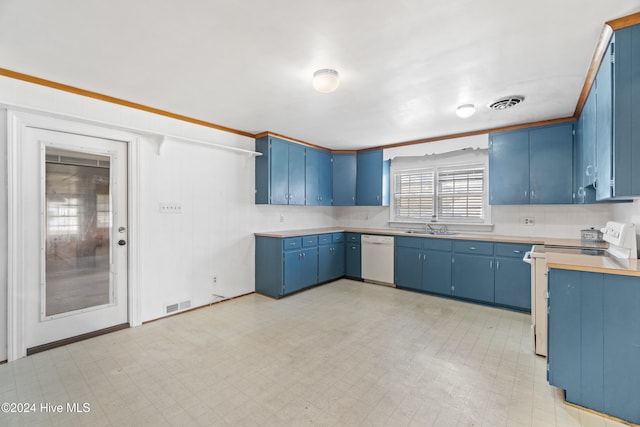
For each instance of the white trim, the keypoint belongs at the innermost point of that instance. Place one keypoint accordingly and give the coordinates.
(135, 296)
(15, 304)
(17, 121)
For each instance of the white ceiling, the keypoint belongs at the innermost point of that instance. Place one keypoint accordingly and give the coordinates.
(404, 65)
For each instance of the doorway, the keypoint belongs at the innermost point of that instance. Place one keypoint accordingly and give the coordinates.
(70, 250)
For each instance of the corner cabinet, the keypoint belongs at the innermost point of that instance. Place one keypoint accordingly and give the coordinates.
(344, 169)
(532, 166)
(318, 182)
(372, 179)
(594, 340)
(280, 172)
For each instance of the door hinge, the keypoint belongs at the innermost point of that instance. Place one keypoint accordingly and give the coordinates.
(612, 183)
(613, 57)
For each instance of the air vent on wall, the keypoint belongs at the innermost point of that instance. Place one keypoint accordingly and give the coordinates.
(507, 102)
(172, 308)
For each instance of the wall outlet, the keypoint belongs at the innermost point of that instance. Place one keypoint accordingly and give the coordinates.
(214, 279)
(170, 207)
(281, 218)
(529, 220)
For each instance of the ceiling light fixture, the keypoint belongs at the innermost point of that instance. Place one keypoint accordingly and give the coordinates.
(465, 111)
(326, 80)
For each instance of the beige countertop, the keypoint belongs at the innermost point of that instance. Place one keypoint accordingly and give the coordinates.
(489, 237)
(596, 264)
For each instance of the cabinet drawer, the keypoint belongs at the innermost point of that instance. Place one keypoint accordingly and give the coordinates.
(438, 244)
(338, 237)
(353, 237)
(325, 239)
(409, 242)
(309, 241)
(515, 250)
(291, 243)
(473, 247)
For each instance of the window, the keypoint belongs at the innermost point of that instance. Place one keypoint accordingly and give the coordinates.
(446, 193)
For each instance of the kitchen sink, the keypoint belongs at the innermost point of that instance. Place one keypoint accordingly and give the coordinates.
(433, 233)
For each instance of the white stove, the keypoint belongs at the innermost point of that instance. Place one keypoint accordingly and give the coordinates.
(621, 238)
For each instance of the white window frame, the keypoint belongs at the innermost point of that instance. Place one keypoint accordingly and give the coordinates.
(447, 161)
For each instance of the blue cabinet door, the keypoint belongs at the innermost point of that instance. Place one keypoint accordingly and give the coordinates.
(279, 171)
(338, 262)
(473, 277)
(408, 267)
(296, 175)
(369, 181)
(353, 267)
(622, 347)
(564, 315)
(309, 267)
(551, 164)
(604, 128)
(436, 272)
(330, 262)
(293, 271)
(589, 131)
(318, 177)
(344, 179)
(591, 349)
(513, 283)
(509, 168)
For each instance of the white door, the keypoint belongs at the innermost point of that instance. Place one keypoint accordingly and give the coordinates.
(74, 219)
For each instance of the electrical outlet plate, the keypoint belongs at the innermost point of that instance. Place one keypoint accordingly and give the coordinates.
(529, 220)
(170, 207)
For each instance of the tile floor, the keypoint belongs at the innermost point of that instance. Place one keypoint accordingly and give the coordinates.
(342, 354)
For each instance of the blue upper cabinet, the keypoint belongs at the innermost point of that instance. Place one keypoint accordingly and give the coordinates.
(318, 177)
(604, 127)
(532, 166)
(344, 168)
(372, 182)
(280, 172)
(618, 128)
(509, 168)
(551, 164)
(584, 168)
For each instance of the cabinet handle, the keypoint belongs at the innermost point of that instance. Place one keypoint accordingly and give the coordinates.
(472, 248)
(533, 194)
(525, 193)
(517, 252)
(491, 264)
(497, 265)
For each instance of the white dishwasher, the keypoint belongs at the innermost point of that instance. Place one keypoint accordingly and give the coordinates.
(377, 259)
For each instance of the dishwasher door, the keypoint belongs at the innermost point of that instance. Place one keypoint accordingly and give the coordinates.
(377, 259)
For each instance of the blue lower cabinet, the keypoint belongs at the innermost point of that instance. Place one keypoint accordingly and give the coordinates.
(473, 277)
(330, 262)
(284, 266)
(513, 283)
(423, 264)
(353, 260)
(408, 267)
(436, 272)
(594, 340)
(300, 269)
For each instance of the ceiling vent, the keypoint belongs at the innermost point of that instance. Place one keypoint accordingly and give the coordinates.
(508, 102)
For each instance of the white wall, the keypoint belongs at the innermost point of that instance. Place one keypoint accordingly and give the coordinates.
(178, 253)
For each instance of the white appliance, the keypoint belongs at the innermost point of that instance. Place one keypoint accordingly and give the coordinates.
(621, 238)
(537, 258)
(377, 259)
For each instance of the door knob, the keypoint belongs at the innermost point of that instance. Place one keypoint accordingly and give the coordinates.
(122, 242)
